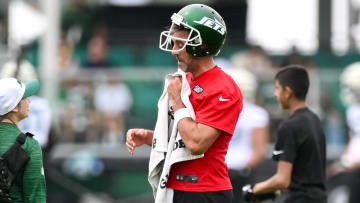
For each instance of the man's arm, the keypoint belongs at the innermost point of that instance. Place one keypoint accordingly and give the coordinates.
(137, 137)
(259, 140)
(280, 181)
(197, 137)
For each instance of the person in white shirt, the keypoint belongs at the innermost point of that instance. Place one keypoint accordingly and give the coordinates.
(350, 160)
(248, 145)
(350, 94)
(113, 99)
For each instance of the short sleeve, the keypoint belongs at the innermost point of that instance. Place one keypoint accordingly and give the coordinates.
(220, 110)
(285, 147)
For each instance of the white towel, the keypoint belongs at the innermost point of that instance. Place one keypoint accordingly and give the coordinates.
(165, 152)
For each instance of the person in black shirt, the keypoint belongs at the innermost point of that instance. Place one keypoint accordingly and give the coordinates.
(300, 148)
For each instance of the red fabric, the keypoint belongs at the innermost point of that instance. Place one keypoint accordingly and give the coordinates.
(218, 105)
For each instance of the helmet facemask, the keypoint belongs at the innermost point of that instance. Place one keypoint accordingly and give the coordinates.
(167, 38)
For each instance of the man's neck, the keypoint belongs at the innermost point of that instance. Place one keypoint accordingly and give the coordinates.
(203, 64)
(10, 119)
(295, 105)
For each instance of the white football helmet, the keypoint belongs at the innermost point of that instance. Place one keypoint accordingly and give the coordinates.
(350, 84)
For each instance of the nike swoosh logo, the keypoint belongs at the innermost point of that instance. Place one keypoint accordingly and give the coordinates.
(278, 152)
(222, 99)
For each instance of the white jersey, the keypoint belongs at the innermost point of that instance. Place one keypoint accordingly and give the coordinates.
(39, 120)
(240, 147)
(353, 120)
(112, 99)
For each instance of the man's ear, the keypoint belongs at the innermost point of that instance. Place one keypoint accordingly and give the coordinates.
(288, 92)
(16, 109)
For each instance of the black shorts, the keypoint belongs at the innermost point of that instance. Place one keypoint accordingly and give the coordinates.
(238, 180)
(224, 196)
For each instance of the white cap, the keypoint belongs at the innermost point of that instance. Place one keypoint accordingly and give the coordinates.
(13, 90)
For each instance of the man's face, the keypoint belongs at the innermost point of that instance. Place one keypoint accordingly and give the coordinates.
(23, 108)
(281, 95)
(184, 59)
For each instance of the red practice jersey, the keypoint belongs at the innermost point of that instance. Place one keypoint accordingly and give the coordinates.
(217, 102)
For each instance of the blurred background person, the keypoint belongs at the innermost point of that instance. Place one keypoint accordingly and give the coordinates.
(349, 162)
(78, 113)
(256, 60)
(113, 100)
(77, 22)
(249, 142)
(350, 80)
(66, 63)
(334, 125)
(97, 53)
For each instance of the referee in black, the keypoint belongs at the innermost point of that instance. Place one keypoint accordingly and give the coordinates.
(300, 148)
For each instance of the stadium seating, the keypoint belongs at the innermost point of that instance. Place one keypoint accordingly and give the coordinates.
(156, 57)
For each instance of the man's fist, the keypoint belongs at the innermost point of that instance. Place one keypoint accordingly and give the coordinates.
(248, 193)
(249, 196)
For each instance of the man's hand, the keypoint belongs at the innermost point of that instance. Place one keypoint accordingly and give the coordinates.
(249, 196)
(248, 193)
(137, 137)
(174, 92)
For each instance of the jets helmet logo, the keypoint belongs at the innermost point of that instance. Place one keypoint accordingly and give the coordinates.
(213, 24)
